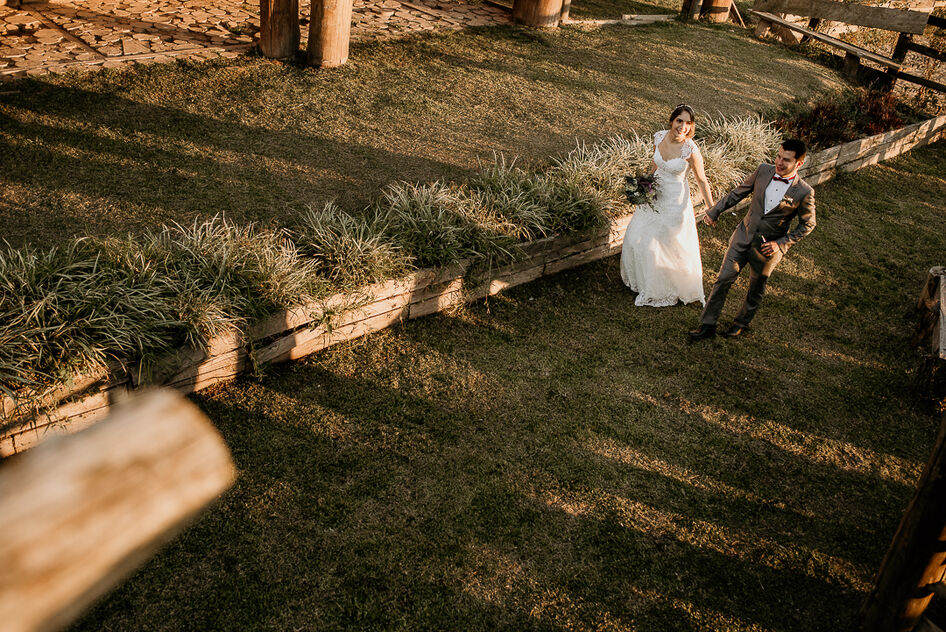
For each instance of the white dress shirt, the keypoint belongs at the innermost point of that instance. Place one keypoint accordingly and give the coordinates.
(776, 191)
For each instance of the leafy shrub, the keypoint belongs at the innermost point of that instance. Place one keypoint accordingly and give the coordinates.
(841, 116)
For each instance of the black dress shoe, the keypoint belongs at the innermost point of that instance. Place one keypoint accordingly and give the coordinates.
(736, 331)
(704, 332)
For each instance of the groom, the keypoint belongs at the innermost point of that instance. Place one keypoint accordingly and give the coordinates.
(778, 196)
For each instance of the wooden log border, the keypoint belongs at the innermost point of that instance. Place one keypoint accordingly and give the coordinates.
(298, 332)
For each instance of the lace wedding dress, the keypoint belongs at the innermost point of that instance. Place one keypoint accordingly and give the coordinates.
(660, 259)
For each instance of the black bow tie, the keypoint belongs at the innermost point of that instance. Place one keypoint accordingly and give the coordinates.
(781, 179)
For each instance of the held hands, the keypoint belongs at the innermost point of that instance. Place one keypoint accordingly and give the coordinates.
(709, 221)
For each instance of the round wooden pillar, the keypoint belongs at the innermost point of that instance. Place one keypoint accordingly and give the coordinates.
(715, 10)
(539, 13)
(279, 28)
(329, 32)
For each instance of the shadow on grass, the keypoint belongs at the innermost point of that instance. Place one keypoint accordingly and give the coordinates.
(139, 164)
(124, 151)
(558, 459)
(363, 506)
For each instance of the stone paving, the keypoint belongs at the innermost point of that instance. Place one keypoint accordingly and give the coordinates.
(57, 35)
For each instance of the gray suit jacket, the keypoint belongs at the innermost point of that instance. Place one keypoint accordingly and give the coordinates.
(799, 201)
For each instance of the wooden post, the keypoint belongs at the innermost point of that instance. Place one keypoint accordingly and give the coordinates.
(899, 54)
(916, 558)
(852, 66)
(690, 9)
(329, 32)
(813, 25)
(78, 513)
(716, 10)
(762, 28)
(566, 8)
(537, 13)
(279, 28)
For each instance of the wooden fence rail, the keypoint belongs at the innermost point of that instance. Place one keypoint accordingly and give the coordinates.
(297, 332)
(78, 513)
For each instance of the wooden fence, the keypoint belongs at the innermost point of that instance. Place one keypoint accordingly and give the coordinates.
(298, 332)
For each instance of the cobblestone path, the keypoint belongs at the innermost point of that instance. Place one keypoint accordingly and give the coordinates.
(37, 38)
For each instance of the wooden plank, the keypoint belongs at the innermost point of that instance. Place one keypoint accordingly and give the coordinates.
(921, 81)
(211, 371)
(632, 20)
(79, 513)
(849, 13)
(916, 555)
(357, 329)
(63, 420)
(432, 291)
(185, 358)
(577, 259)
(437, 302)
(833, 41)
(937, 21)
(927, 51)
(110, 375)
(296, 345)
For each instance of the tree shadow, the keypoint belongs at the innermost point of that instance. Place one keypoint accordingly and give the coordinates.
(120, 165)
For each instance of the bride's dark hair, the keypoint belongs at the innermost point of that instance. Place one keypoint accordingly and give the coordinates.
(683, 107)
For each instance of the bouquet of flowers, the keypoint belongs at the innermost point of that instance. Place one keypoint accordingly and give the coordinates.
(640, 189)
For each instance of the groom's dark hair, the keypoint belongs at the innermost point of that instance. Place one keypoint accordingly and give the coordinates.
(797, 146)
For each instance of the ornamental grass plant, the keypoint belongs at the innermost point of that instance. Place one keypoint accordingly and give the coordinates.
(534, 205)
(348, 250)
(72, 309)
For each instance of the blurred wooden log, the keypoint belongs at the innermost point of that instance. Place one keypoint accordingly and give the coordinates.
(916, 557)
(78, 513)
(329, 33)
(279, 28)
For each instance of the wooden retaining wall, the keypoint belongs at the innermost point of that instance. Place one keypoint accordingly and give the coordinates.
(298, 332)
(824, 165)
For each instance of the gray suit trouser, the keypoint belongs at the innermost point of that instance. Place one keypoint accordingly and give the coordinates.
(760, 268)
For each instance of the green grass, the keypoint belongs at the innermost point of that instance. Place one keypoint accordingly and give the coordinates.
(610, 9)
(557, 459)
(125, 151)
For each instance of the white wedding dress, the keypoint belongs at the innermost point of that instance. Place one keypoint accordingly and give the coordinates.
(660, 259)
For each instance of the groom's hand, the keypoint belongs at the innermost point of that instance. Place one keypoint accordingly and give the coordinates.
(769, 248)
(709, 221)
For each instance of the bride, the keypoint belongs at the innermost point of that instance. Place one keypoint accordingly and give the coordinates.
(660, 259)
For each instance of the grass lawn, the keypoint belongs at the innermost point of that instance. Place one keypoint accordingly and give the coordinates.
(557, 459)
(121, 151)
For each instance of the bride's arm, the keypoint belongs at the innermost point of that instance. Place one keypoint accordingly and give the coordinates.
(696, 163)
(653, 168)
